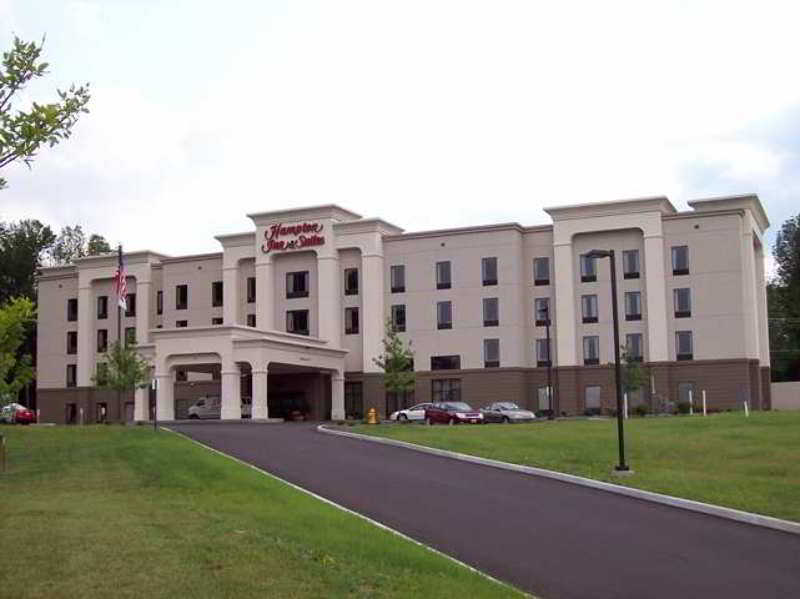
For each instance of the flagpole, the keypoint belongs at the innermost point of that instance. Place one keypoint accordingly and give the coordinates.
(119, 331)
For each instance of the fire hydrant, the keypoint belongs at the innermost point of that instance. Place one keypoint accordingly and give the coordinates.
(372, 416)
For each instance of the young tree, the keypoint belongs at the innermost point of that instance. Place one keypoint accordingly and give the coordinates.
(634, 375)
(16, 369)
(123, 370)
(23, 132)
(397, 362)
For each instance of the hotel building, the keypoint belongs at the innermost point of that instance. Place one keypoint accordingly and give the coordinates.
(289, 316)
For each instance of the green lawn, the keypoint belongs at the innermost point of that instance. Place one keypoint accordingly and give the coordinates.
(104, 511)
(750, 464)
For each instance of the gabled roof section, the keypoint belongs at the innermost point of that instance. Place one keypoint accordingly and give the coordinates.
(331, 211)
(652, 204)
(748, 201)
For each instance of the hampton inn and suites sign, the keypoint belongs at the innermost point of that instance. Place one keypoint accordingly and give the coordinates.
(292, 237)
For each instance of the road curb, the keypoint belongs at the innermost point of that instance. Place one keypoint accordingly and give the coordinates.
(676, 502)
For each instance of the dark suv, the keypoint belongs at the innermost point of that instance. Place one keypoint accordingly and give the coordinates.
(452, 412)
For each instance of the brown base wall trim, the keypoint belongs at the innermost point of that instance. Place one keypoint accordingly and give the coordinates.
(676, 502)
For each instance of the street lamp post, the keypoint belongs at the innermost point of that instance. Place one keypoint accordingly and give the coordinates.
(622, 466)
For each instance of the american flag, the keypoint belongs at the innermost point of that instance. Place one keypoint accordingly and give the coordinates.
(120, 286)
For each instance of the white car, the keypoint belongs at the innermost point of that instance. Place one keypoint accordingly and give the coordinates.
(211, 407)
(416, 412)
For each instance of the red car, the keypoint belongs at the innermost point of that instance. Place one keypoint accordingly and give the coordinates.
(452, 412)
(17, 413)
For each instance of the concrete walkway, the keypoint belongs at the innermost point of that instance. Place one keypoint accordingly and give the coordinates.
(553, 539)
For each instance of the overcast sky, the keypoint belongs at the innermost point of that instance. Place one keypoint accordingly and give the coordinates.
(428, 114)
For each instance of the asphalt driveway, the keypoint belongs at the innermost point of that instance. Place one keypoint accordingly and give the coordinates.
(553, 539)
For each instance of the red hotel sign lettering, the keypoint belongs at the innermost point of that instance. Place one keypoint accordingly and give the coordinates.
(302, 235)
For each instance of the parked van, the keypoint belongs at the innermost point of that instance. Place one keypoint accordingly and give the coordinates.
(210, 406)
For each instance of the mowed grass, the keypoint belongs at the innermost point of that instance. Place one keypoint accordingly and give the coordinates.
(110, 511)
(751, 464)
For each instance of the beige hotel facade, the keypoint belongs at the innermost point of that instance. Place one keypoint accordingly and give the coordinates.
(288, 317)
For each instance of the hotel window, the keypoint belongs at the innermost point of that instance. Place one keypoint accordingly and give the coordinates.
(399, 318)
(445, 362)
(297, 322)
(633, 305)
(491, 353)
(630, 264)
(351, 321)
(181, 376)
(444, 315)
(680, 260)
(592, 398)
(159, 302)
(351, 281)
(130, 302)
(589, 308)
(216, 294)
(633, 346)
(181, 297)
(216, 321)
(491, 312)
(682, 298)
(542, 353)
(181, 324)
(353, 400)
(297, 284)
(102, 340)
(543, 399)
(72, 309)
(443, 280)
(251, 320)
(445, 390)
(686, 393)
(489, 271)
(72, 342)
(102, 307)
(397, 274)
(541, 308)
(591, 350)
(541, 271)
(588, 269)
(683, 345)
(130, 335)
(251, 290)
(72, 375)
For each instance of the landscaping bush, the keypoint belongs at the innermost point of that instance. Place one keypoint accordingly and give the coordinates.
(641, 410)
(682, 407)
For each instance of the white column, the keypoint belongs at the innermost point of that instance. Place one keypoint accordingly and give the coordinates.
(231, 392)
(142, 312)
(564, 300)
(329, 300)
(230, 295)
(337, 396)
(656, 294)
(165, 396)
(265, 295)
(86, 334)
(761, 292)
(260, 409)
(372, 309)
(751, 332)
(141, 404)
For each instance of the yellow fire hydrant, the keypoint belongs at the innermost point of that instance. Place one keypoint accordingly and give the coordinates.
(372, 416)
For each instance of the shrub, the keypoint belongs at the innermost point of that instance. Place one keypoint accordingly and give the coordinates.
(641, 409)
(683, 407)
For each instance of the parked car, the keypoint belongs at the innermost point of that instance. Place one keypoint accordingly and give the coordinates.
(416, 412)
(506, 411)
(17, 413)
(210, 406)
(452, 412)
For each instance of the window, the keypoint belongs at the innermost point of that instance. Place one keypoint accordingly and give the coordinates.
(543, 399)
(297, 322)
(159, 302)
(130, 335)
(489, 271)
(181, 324)
(683, 345)
(102, 340)
(541, 271)
(446, 390)
(682, 298)
(633, 305)
(251, 290)
(443, 275)
(589, 308)
(72, 375)
(72, 342)
(397, 274)
(251, 320)
(491, 353)
(491, 312)
(591, 350)
(218, 320)
(181, 376)
(354, 400)
(72, 309)
(351, 281)
(216, 294)
(588, 269)
(444, 315)
(351, 321)
(130, 303)
(630, 264)
(633, 346)
(297, 284)
(445, 362)
(686, 392)
(399, 318)
(542, 353)
(102, 307)
(181, 297)
(541, 308)
(101, 408)
(680, 260)
(592, 398)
